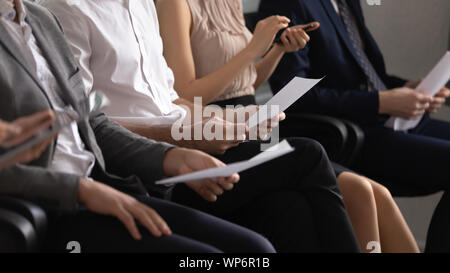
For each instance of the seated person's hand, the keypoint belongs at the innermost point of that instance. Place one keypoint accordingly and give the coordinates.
(439, 100)
(295, 38)
(102, 199)
(264, 128)
(180, 161)
(22, 129)
(218, 135)
(404, 102)
(264, 34)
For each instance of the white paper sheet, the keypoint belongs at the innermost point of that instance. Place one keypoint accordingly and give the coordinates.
(436, 79)
(293, 91)
(273, 152)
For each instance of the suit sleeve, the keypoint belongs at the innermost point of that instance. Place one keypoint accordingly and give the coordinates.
(362, 107)
(352, 104)
(51, 190)
(126, 153)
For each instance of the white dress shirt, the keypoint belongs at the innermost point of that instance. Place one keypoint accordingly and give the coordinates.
(120, 52)
(70, 154)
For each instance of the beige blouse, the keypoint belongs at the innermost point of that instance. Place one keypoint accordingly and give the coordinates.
(218, 34)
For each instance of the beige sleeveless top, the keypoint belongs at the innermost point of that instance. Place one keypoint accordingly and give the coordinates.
(219, 34)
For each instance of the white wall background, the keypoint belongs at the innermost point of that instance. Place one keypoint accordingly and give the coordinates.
(413, 35)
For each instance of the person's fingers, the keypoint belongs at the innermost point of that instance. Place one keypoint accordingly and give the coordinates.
(30, 126)
(311, 26)
(38, 149)
(422, 98)
(282, 116)
(214, 188)
(7, 132)
(422, 106)
(284, 38)
(293, 41)
(278, 27)
(443, 93)
(36, 119)
(144, 218)
(418, 113)
(127, 219)
(226, 185)
(305, 36)
(280, 19)
(203, 191)
(438, 100)
(158, 220)
(234, 178)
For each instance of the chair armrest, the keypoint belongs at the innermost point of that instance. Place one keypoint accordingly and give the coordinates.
(33, 213)
(331, 132)
(17, 234)
(355, 143)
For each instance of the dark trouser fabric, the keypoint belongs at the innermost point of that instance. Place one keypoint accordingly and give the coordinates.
(413, 164)
(294, 200)
(193, 232)
(410, 164)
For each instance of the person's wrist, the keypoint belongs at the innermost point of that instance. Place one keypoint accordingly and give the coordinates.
(278, 48)
(384, 97)
(83, 187)
(251, 53)
(172, 161)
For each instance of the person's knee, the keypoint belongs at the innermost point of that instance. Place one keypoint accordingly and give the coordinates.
(383, 196)
(307, 145)
(357, 192)
(256, 243)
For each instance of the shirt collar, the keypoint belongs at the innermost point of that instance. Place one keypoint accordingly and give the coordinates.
(8, 12)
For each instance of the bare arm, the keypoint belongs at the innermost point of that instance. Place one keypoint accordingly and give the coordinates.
(268, 64)
(175, 24)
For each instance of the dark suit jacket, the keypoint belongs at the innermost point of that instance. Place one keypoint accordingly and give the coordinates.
(118, 152)
(330, 53)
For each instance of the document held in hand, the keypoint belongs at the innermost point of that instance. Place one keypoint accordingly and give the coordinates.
(436, 79)
(293, 91)
(273, 152)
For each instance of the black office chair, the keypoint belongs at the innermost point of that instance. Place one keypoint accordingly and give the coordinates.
(342, 139)
(23, 225)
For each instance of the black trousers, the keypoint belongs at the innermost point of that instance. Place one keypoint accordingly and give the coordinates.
(193, 232)
(293, 200)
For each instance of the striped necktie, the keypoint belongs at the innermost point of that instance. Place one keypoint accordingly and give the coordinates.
(355, 37)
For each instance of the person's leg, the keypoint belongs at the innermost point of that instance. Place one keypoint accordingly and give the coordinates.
(306, 170)
(361, 205)
(285, 212)
(104, 234)
(193, 232)
(395, 235)
(438, 238)
(208, 229)
(410, 164)
(433, 128)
